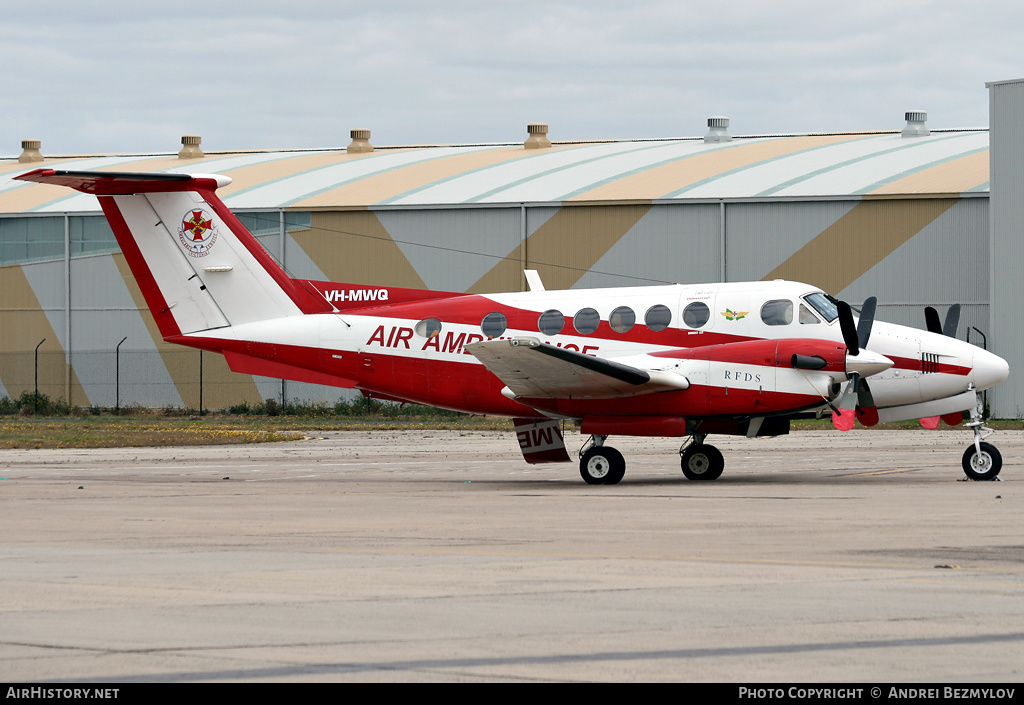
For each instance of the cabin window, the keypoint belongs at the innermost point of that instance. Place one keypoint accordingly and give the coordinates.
(428, 327)
(778, 312)
(696, 314)
(658, 317)
(551, 322)
(806, 316)
(586, 321)
(622, 319)
(494, 324)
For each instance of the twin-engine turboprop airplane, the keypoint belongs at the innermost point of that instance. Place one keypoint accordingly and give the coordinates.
(694, 360)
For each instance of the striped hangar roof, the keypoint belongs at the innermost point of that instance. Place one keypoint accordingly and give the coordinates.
(769, 167)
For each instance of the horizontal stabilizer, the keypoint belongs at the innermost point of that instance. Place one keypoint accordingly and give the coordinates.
(114, 183)
(533, 369)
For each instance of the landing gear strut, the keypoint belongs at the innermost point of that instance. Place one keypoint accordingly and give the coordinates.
(981, 460)
(601, 464)
(701, 461)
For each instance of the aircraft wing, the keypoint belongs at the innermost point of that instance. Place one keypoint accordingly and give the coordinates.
(531, 368)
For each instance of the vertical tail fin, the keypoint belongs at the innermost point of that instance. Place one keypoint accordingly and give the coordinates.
(197, 265)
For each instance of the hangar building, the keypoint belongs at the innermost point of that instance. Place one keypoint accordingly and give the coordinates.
(906, 215)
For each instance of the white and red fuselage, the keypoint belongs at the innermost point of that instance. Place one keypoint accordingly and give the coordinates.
(735, 365)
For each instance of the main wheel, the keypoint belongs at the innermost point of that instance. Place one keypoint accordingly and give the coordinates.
(982, 466)
(702, 462)
(602, 465)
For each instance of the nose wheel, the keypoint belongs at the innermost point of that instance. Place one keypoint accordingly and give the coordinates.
(982, 463)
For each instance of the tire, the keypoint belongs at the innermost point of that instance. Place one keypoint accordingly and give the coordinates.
(702, 462)
(602, 465)
(985, 466)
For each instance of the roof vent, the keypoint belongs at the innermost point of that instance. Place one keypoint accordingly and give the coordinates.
(360, 142)
(30, 151)
(190, 147)
(538, 138)
(916, 126)
(719, 130)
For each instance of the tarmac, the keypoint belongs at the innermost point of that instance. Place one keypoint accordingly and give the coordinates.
(863, 557)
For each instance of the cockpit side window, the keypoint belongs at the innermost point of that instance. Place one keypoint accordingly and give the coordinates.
(778, 312)
(806, 316)
(823, 304)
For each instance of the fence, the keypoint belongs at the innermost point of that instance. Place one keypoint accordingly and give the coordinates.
(176, 378)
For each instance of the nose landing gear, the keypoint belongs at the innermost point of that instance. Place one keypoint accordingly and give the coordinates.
(981, 460)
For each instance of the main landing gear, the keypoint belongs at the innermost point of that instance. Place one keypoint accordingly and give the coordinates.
(981, 460)
(603, 465)
(701, 461)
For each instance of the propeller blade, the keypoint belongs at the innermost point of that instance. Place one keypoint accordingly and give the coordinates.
(954, 419)
(948, 329)
(844, 414)
(848, 328)
(867, 319)
(867, 412)
(843, 419)
(930, 422)
(952, 321)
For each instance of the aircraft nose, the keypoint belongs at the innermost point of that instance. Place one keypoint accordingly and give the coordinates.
(989, 369)
(867, 363)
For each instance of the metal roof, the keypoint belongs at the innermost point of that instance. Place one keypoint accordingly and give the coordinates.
(769, 167)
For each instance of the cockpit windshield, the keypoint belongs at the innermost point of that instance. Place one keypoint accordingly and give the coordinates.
(824, 305)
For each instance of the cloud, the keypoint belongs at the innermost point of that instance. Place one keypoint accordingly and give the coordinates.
(120, 76)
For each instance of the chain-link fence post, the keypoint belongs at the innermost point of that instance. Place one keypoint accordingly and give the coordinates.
(35, 402)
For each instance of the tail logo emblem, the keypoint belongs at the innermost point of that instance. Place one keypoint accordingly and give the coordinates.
(197, 232)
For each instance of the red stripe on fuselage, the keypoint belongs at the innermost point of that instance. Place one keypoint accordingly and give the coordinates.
(915, 364)
(333, 292)
(698, 401)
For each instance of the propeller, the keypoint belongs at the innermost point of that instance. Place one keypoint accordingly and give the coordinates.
(844, 415)
(846, 325)
(948, 328)
(856, 336)
(857, 401)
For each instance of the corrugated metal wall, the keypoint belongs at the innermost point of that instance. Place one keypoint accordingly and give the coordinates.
(1006, 110)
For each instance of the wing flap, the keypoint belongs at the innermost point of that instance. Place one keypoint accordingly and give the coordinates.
(530, 368)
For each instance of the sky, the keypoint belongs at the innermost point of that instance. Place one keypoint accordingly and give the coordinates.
(116, 76)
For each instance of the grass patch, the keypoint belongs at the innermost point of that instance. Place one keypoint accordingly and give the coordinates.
(129, 433)
(148, 432)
